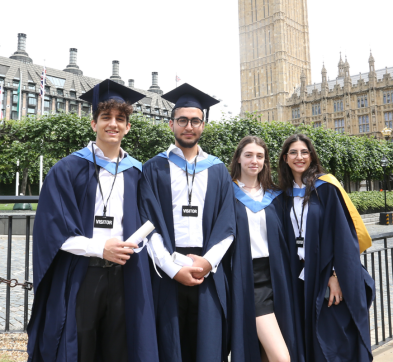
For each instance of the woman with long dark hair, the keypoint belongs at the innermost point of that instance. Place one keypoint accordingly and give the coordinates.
(325, 235)
(261, 285)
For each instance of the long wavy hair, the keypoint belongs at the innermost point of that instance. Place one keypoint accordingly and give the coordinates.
(264, 177)
(309, 176)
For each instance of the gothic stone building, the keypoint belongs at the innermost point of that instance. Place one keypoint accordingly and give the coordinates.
(275, 75)
(63, 87)
(357, 105)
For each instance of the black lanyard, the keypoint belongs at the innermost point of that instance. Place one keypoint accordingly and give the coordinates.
(192, 183)
(299, 238)
(98, 178)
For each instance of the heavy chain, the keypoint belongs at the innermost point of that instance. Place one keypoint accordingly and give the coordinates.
(14, 282)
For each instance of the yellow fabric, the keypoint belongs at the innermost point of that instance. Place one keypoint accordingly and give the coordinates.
(363, 235)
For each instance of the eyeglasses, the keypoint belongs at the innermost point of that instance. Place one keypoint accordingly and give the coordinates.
(183, 122)
(293, 154)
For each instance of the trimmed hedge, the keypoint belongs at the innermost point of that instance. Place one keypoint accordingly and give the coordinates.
(368, 202)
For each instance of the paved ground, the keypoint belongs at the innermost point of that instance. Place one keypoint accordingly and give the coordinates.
(384, 353)
(17, 295)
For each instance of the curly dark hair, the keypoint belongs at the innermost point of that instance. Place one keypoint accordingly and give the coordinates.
(264, 177)
(309, 176)
(124, 108)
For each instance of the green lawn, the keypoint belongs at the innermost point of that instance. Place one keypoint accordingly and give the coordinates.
(10, 207)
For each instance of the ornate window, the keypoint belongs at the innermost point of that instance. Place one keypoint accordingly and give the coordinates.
(362, 101)
(32, 86)
(338, 106)
(339, 125)
(316, 109)
(388, 97)
(389, 119)
(317, 124)
(364, 124)
(295, 113)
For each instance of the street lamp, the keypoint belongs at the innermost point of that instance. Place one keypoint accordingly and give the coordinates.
(386, 133)
(384, 163)
(385, 219)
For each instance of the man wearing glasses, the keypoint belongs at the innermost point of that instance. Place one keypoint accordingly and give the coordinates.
(188, 196)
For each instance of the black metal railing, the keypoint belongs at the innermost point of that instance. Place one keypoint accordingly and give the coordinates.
(10, 280)
(378, 260)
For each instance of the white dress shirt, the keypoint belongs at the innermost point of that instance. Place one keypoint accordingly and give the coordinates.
(188, 230)
(81, 245)
(298, 205)
(257, 226)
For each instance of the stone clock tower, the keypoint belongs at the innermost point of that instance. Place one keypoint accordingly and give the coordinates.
(274, 52)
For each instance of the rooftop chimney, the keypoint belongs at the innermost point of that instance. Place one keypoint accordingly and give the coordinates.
(131, 83)
(115, 72)
(21, 54)
(72, 67)
(154, 87)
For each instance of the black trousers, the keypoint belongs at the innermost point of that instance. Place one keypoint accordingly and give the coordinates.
(188, 298)
(100, 316)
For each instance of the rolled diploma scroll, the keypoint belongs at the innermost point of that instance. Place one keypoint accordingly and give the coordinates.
(141, 233)
(181, 259)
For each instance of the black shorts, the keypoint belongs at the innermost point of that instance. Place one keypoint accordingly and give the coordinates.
(263, 291)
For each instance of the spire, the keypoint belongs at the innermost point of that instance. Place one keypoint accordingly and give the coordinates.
(341, 67)
(341, 60)
(21, 54)
(346, 68)
(303, 82)
(324, 73)
(371, 62)
(72, 67)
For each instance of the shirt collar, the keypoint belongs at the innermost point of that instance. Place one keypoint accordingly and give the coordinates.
(296, 186)
(258, 193)
(98, 152)
(177, 151)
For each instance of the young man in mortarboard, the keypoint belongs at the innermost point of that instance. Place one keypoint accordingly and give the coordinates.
(93, 299)
(188, 195)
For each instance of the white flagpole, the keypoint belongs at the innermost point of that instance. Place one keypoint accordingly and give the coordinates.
(43, 90)
(41, 167)
(17, 180)
(20, 97)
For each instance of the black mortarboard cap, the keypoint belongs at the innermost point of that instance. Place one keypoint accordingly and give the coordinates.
(107, 90)
(188, 96)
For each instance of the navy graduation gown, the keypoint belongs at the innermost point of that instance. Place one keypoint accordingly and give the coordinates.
(66, 208)
(245, 346)
(155, 204)
(339, 333)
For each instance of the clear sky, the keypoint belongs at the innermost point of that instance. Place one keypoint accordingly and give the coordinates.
(197, 40)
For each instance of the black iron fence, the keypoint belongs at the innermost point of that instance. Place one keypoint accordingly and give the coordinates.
(21, 303)
(378, 260)
(15, 255)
